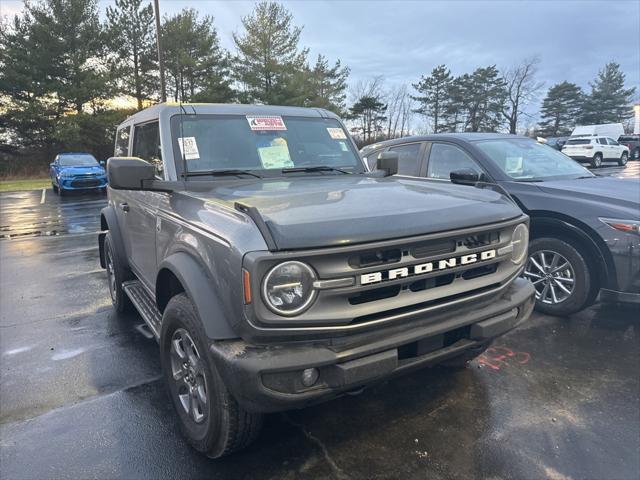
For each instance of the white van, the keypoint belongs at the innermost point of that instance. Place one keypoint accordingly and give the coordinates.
(612, 130)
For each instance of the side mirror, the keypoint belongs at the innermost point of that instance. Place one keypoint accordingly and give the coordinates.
(132, 173)
(464, 176)
(52, 164)
(102, 163)
(388, 163)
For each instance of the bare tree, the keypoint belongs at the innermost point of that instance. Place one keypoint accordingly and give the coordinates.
(399, 111)
(522, 88)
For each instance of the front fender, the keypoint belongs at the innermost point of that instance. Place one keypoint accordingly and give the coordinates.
(199, 288)
(109, 221)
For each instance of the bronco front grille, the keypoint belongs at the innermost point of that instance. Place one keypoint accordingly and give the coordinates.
(375, 292)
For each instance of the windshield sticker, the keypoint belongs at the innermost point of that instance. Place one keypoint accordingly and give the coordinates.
(189, 148)
(265, 124)
(337, 133)
(276, 155)
(513, 164)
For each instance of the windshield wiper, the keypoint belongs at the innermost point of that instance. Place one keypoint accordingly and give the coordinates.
(219, 173)
(530, 180)
(320, 168)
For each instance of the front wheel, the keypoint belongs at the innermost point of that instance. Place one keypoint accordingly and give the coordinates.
(596, 161)
(560, 274)
(55, 188)
(117, 273)
(623, 159)
(210, 418)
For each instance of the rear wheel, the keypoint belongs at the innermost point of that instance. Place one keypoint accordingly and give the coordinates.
(210, 418)
(596, 161)
(561, 276)
(636, 153)
(117, 273)
(623, 159)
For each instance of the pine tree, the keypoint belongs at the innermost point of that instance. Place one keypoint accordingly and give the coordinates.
(481, 98)
(269, 61)
(560, 109)
(196, 65)
(434, 93)
(327, 85)
(370, 113)
(609, 101)
(132, 34)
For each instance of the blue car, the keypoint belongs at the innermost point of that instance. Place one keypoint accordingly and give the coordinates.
(77, 171)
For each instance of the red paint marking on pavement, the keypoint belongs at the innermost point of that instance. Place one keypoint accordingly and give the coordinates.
(499, 356)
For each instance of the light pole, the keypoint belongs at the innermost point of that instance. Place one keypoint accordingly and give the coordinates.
(163, 89)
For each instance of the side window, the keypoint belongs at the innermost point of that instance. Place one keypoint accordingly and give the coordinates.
(612, 141)
(408, 158)
(602, 141)
(146, 145)
(122, 142)
(371, 159)
(445, 158)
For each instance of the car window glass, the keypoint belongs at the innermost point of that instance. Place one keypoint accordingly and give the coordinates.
(602, 141)
(408, 158)
(445, 158)
(612, 141)
(578, 141)
(371, 159)
(122, 142)
(146, 145)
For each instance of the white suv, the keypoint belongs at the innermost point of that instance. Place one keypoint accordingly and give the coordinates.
(596, 150)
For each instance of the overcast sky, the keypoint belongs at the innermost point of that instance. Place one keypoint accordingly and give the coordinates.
(404, 39)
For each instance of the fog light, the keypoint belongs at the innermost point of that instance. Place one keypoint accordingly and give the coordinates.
(309, 376)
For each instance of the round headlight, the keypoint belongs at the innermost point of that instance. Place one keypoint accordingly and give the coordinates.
(520, 242)
(288, 288)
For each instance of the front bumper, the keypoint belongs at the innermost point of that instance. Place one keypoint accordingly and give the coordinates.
(72, 183)
(268, 378)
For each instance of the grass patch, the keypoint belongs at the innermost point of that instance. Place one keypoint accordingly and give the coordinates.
(29, 184)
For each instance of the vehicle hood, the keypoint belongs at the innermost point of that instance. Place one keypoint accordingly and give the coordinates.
(348, 209)
(82, 170)
(605, 190)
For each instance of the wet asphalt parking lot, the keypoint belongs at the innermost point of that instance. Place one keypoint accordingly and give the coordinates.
(81, 396)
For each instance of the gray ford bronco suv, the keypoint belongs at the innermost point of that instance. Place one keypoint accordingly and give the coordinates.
(276, 271)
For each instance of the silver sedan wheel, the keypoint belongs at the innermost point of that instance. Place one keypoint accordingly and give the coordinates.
(552, 276)
(187, 372)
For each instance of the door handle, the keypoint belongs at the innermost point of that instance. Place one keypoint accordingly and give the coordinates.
(124, 206)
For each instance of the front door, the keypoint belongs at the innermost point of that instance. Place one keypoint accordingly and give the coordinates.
(142, 206)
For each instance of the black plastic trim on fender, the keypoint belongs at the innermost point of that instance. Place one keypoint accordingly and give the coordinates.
(199, 289)
(254, 214)
(112, 223)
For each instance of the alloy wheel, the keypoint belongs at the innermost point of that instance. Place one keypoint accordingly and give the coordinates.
(188, 376)
(552, 275)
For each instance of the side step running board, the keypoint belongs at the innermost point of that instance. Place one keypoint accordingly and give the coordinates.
(145, 304)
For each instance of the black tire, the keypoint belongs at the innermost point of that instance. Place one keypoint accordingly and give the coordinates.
(61, 191)
(623, 159)
(117, 274)
(579, 277)
(636, 154)
(596, 161)
(55, 188)
(461, 360)
(223, 426)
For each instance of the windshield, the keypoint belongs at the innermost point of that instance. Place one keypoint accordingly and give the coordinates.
(262, 144)
(524, 160)
(77, 160)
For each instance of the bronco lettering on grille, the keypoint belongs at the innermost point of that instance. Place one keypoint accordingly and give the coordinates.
(437, 265)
